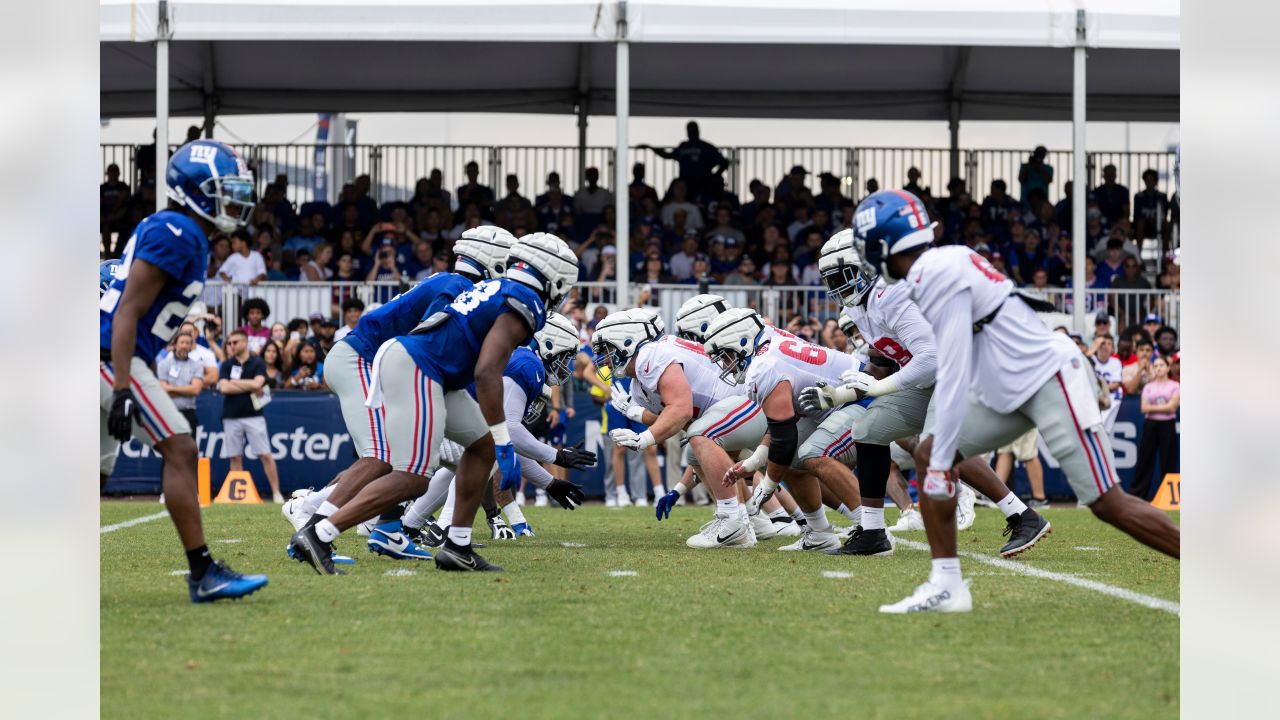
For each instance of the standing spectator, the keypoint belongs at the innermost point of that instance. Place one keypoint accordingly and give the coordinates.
(242, 378)
(201, 353)
(759, 200)
(514, 210)
(913, 183)
(1131, 276)
(352, 309)
(1035, 174)
(1112, 197)
(384, 267)
(244, 266)
(1112, 265)
(1108, 367)
(113, 196)
(792, 188)
(552, 206)
(744, 274)
(829, 197)
(473, 191)
(677, 201)
(998, 210)
(273, 358)
(591, 199)
(872, 187)
(182, 377)
(1137, 374)
(1150, 210)
(639, 190)
(307, 371)
(697, 158)
(1161, 397)
(255, 312)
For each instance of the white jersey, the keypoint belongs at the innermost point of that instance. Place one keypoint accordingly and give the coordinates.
(703, 374)
(1004, 363)
(892, 324)
(1110, 371)
(803, 364)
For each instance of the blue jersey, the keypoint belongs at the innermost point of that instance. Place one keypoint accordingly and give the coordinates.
(174, 243)
(403, 312)
(525, 368)
(448, 352)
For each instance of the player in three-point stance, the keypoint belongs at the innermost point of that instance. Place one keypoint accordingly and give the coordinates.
(159, 276)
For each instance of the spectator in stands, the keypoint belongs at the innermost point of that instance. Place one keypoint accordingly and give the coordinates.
(437, 197)
(205, 345)
(726, 255)
(724, 229)
(254, 312)
(780, 274)
(113, 198)
(308, 235)
(1137, 374)
(144, 158)
(431, 228)
(591, 199)
(998, 210)
(872, 187)
(1150, 210)
(317, 268)
(352, 309)
(677, 201)
(1112, 197)
(273, 358)
(420, 263)
(913, 183)
(366, 206)
(652, 272)
(182, 377)
(759, 200)
(384, 266)
(1161, 396)
(307, 371)
(638, 190)
(1035, 174)
(828, 197)
(701, 274)
(1131, 276)
(1167, 343)
(514, 209)
(607, 268)
(1108, 367)
(801, 221)
(589, 250)
(244, 265)
(682, 262)
(1112, 265)
(698, 159)
(1058, 261)
(242, 377)
(791, 188)
(1025, 258)
(551, 207)
(473, 193)
(745, 274)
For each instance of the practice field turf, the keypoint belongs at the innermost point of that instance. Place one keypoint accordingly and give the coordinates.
(606, 614)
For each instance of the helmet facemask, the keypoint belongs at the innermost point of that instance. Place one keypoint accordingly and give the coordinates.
(232, 198)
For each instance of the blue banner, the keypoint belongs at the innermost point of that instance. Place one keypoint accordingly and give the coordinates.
(311, 446)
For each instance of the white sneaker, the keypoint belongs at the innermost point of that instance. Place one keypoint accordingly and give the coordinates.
(292, 509)
(814, 540)
(277, 498)
(763, 527)
(723, 531)
(909, 520)
(611, 502)
(540, 498)
(641, 502)
(965, 514)
(624, 500)
(933, 598)
(790, 528)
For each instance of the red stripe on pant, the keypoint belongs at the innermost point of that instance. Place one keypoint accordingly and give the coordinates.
(155, 439)
(364, 390)
(1084, 444)
(417, 407)
(431, 423)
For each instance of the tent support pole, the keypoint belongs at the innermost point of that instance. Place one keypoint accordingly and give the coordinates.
(1079, 183)
(162, 105)
(210, 113)
(584, 77)
(622, 205)
(954, 126)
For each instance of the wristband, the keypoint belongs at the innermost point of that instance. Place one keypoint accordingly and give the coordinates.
(635, 413)
(757, 459)
(680, 489)
(884, 386)
(501, 436)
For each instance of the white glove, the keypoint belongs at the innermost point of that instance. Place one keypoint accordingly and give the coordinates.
(760, 495)
(631, 440)
(822, 397)
(866, 384)
(621, 401)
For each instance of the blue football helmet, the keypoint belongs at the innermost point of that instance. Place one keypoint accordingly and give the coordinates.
(886, 223)
(212, 180)
(107, 271)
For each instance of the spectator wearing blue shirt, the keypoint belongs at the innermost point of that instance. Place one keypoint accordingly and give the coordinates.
(698, 159)
(726, 255)
(759, 199)
(1112, 265)
(1024, 260)
(1113, 198)
(998, 209)
(385, 266)
(473, 192)
(1035, 174)
(701, 274)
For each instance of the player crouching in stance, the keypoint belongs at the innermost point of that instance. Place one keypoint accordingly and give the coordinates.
(677, 389)
(991, 343)
(421, 380)
(160, 275)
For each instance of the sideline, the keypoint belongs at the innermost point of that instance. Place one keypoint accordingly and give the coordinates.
(136, 521)
(1136, 598)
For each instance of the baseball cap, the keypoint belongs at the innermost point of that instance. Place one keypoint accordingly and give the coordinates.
(609, 250)
(316, 317)
(798, 170)
(1151, 317)
(1101, 317)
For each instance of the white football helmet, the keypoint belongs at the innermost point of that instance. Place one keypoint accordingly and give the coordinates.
(847, 275)
(696, 314)
(556, 343)
(482, 252)
(655, 319)
(732, 340)
(619, 337)
(545, 263)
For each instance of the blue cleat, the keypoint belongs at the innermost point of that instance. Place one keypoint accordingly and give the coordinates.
(221, 582)
(336, 558)
(523, 530)
(389, 541)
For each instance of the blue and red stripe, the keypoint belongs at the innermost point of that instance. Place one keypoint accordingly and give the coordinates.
(732, 420)
(1088, 451)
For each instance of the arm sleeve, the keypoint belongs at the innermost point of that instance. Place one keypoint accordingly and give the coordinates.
(513, 404)
(917, 337)
(536, 474)
(951, 394)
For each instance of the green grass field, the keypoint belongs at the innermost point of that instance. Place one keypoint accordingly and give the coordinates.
(694, 634)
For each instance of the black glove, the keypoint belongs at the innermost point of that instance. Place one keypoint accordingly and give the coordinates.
(124, 412)
(568, 494)
(575, 458)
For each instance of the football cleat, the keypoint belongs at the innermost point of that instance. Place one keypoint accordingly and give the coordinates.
(456, 558)
(875, 543)
(221, 582)
(965, 514)
(389, 543)
(933, 598)
(909, 520)
(292, 510)
(337, 559)
(611, 502)
(523, 530)
(641, 502)
(317, 553)
(811, 540)
(786, 527)
(723, 531)
(1024, 531)
(499, 529)
(366, 527)
(433, 534)
(1037, 503)
(764, 527)
(540, 498)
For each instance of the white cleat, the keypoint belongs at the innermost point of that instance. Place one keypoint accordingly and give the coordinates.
(642, 502)
(611, 502)
(624, 500)
(763, 527)
(292, 509)
(366, 528)
(811, 540)
(933, 598)
(723, 531)
(965, 514)
(909, 521)
(540, 499)
(790, 528)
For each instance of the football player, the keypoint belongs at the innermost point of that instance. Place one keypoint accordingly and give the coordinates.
(1000, 373)
(421, 380)
(160, 275)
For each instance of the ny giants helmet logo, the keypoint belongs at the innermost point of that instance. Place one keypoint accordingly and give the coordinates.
(865, 220)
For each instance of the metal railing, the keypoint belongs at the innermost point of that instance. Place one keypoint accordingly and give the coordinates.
(1126, 307)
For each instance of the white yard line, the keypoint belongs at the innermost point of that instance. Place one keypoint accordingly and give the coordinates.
(1136, 598)
(136, 521)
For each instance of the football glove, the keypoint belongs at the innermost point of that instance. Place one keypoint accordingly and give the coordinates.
(632, 440)
(124, 413)
(939, 484)
(822, 397)
(621, 401)
(568, 494)
(760, 495)
(509, 464)
(575, 458)
(664, 504)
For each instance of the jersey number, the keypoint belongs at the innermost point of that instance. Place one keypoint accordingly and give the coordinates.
(892, 350)
(471, 299)
(985, 268)
(803, 351)
(164, 326)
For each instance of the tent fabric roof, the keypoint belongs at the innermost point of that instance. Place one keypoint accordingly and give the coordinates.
(906, 59)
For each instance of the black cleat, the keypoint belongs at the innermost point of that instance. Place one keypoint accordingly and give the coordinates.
(865, 542)
(451, 556)
(1025, 530)
(317, 553)
(432, 535)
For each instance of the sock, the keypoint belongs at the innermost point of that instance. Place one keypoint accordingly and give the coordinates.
(327, 531)
(854, 515)
(872, 518)
(818, 520)
(727, 507)
(313, 501)
(513, 513)
(199, 561)
(621, 492)
(780, 515)
(460, 536)
(446, 513)
(946, 572)
(1010, 505)
(326, 509)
